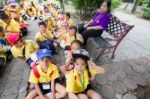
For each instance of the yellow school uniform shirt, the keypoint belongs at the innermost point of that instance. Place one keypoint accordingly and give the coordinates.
(2, 53)
(41, 14)
(30, 47)
(73, 81)
(52, 74)
(12, 26)
(69, 39)
(41, 38)
(71, 23)
(33, 12)
(2, 24)
(51, 23)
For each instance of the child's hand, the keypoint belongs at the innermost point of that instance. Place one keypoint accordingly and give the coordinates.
(98, 69)
(43, 97)
(44, 34)
(91, 64)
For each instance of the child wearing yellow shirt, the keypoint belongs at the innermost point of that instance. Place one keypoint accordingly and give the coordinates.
(69, 20)
(41, 14)
(22, 48)
(60, 34)
(43, 77)
(4, 49)
(44, 38)
(69, 37)
(75, 45)
(10, 25)
(78, 80)
(51, 23)
(31, 12)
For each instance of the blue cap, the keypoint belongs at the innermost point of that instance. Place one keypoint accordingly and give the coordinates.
(44, 53)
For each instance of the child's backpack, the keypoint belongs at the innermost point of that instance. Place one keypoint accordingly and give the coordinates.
(2, 42)
(37, 74)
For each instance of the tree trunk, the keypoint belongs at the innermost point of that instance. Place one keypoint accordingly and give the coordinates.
(148, 4)
(134, 6)
(62, 4)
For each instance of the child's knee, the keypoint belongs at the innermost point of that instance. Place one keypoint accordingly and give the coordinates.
(96, 96)
(63, 92)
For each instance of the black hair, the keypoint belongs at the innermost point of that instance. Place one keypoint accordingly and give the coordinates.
(42, 23)
(78, 42)
(75, 28)
(30, 9)
(33, 4)
(3, 15)
(1, 29)
(68, 15)
(108, 2)
(87, 67)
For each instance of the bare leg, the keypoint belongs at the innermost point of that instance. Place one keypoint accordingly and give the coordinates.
(72, 96)
(93, 94)
(32, 94)
(82, 96)
(60, 91)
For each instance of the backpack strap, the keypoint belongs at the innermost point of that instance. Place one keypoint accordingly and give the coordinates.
(24, 51)
(36, 72)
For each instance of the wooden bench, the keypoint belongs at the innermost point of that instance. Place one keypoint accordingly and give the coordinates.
(116, 30)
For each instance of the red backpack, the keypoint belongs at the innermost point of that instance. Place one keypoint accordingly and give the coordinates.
(36, 72)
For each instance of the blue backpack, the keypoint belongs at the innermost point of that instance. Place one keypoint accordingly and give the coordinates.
(2, 42)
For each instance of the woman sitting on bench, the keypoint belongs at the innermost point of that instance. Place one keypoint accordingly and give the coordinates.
(99, 23)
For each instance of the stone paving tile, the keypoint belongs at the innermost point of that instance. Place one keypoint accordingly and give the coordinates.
(111, 76)
(130, 84)
(121, 75)
(101, 79)
(119, 87)
(129, 96)
(108, 91)
(140, 81)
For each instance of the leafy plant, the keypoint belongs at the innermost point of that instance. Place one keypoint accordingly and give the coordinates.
(86, 8)
(146, 13)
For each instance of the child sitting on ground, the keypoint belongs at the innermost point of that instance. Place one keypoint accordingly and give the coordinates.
(50, 22)
(22, 48)
(62, 32)
(69, 37)
(78, 79)
(69, 20)
(45, 38)
(41, 14)
(4, 49)
(43, 77)
(75, 45)
(10, 25)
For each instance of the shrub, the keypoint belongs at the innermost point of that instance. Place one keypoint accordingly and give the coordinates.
(146, 13)
(86, 8)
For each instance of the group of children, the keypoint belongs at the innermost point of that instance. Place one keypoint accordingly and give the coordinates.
(56, 29)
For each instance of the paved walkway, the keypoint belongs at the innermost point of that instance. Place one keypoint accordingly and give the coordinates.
(137, 43)
(122, 76)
